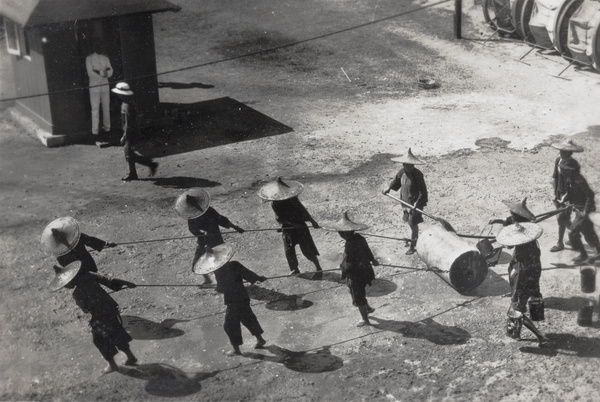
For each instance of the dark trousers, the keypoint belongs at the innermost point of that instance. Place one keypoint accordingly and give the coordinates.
(584, 227)
(307, 247)
(238, 313)
(109, 335)
(133, 157)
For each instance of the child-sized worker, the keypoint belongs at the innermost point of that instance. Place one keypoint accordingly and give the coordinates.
(357, 264)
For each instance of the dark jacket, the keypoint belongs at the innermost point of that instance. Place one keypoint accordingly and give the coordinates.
(91, 297)
(580, 194)
(418, 189)
(209, 222)
(81, 254)
(560, 186)
(230, 281)
(356, 263)
(291, 212)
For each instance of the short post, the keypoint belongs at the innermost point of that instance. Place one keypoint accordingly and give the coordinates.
(457, 19)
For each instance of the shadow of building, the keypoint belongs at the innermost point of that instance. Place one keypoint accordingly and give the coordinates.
(180, 128)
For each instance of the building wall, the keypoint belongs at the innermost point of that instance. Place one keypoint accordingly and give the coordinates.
(30, 79)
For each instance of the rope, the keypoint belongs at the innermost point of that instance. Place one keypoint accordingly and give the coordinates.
(386, 237)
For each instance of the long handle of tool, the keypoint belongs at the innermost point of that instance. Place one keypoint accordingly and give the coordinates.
(402, 267)
(385, 237)
(549, 214)
(291, 276)
(193, 236)
(476, 236)
(407, 204)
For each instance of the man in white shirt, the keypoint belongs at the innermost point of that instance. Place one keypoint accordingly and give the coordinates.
(99, 70)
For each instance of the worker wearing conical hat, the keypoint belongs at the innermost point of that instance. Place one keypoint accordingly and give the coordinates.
(580, 197)
(524, 269)
(357, 263)
(108, 333)
(203, 221)
(63, 238)
(411, 183)
(518, 213)
(230, 276)
(292, 216)
(565, 153)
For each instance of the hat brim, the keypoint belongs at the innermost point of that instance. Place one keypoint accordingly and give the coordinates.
(66, 225)
(517, 234)
(408, 160)
(210, 262)
(343, 226)
(63, 278)
(273, 191)
(188, 211)
(121, 92)
(561, 146)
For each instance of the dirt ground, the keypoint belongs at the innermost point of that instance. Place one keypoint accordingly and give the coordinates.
(332, 112)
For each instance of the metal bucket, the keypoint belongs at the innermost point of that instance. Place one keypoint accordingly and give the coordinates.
(588, 279)
(485, 247)
(584, 317)
(536, 308)
(462, 264)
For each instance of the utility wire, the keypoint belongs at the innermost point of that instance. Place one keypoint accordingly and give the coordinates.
(251, 54)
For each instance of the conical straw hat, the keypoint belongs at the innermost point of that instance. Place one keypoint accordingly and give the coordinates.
(520, 208)
(567, 145)
(408, 158)
(60, 236)
(279, 190)
(64, 275)
(519, 233)
(213, 259)
(193, 203)
(344, 225)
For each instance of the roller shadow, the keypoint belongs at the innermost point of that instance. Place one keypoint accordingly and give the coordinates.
(144, 329)
(567, 344)
(277, 301)
(180, 128)
(166, 381)
(182, 182)
(425, 329)
(493, 285)
(312, 361)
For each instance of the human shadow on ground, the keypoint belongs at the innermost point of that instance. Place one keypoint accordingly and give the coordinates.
(566, 344)
(278, 301)
(165, 380)
(144, 329)
(311, 361)
(425, 329)
(574, 303)
(184, 85)
(181, 182)
(177, 128)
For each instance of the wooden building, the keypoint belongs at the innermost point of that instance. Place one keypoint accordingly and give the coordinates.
(48, 42)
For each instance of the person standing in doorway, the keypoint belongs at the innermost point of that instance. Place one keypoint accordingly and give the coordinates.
(99, 70)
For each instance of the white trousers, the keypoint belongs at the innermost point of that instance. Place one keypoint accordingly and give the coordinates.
(97, 98)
